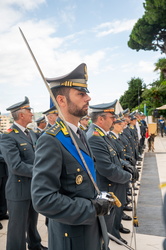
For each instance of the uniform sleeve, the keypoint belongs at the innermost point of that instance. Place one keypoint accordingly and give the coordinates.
(11, 154)
(47, 190)
(105, 163)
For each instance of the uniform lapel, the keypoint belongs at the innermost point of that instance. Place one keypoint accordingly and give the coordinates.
(21, 134)
(33, 137)
(79, 143)
(108, 140)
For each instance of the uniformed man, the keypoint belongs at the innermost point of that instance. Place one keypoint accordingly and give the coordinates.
(41, 125)
(61, 187)
(127, 132)
(111, 176)
(142, 142)
(18, 150)
(84, 123)
(125, 139)
(131, 133)
(121, 150)
(141, 129)
(52, 115)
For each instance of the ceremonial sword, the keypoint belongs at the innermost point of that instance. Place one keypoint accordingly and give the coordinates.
(70, 133)
(60, 113)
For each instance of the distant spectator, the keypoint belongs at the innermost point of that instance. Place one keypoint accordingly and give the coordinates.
(161, 123)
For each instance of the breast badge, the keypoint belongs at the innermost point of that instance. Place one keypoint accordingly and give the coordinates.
(79, 179)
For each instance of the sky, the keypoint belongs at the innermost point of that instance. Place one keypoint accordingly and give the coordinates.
(63, 34)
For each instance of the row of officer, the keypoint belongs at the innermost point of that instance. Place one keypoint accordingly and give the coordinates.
(112, 175)
(62, 189)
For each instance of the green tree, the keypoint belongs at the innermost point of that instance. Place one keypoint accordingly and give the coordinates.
(133, 96)
(149, 32)
(161, 65)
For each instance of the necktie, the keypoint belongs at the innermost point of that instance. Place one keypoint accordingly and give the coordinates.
(27, 133)
(82, 138)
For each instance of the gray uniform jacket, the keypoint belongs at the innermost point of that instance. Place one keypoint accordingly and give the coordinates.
(18, 153)
(61, 190)
(110, 174)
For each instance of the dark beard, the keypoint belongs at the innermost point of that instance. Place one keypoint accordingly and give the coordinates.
(73, 109)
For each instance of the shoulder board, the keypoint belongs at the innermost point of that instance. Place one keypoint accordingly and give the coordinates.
(59, 126)
(100, 133)
(54, 130)
(63, 128)
(29, 128)
(8, 131)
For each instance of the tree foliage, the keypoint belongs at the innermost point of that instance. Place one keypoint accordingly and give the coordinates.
(149, 32)
(133, 96)
(161, 65)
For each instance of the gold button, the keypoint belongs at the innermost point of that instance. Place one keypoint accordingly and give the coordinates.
(109, 184)
(78, 170)
(66, 234)
(19, 180)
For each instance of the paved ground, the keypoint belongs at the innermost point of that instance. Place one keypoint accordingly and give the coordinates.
(150, 233)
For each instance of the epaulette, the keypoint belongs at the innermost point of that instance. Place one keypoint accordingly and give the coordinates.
(9, 130)
(98, 132)
(29, 128)
(55, 129)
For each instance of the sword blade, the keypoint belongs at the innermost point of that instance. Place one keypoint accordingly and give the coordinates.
(59, 111)
(119, 242)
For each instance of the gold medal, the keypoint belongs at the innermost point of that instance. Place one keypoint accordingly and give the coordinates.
(79, 179)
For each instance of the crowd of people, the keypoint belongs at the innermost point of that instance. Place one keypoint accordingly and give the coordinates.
(78, 169)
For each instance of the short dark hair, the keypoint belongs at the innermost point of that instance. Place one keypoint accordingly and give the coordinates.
(61, 91)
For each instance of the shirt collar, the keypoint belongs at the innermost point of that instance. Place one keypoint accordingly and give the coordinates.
(115, 134)
(20, 127)
(100, 129)
(73, 127)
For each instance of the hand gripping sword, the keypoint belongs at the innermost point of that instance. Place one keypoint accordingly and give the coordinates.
(70, 133)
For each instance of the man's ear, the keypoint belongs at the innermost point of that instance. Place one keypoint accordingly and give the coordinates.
(21, 115)
(61, 100)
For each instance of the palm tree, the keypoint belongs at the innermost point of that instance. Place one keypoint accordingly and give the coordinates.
(161, 65)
